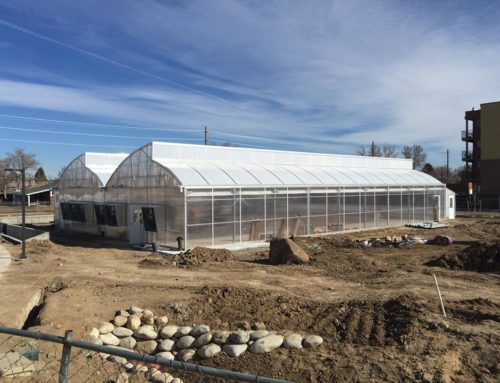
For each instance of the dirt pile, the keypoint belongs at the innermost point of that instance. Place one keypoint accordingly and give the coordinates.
(390, 322)
(475, 310)
(480, 257)
(189, 260)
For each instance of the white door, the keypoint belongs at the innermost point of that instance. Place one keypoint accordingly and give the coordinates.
(436, 208)
(451, 207)
(136, 233)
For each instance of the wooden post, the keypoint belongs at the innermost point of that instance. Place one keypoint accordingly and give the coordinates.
(439, 295)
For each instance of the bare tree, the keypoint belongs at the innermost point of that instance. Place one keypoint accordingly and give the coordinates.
(21, 159)
(373, 150)
(389, 151)
(415, 153)
(5, 177)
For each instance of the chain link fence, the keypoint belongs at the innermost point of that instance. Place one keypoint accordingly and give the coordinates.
(27, 356)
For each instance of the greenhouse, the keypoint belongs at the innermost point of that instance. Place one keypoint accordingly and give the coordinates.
(220, 196)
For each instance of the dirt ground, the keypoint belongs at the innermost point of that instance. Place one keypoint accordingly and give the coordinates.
(376, 308)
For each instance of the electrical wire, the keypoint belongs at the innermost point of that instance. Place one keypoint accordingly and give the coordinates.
(64, 143)
(111, 61)
(110, 126)
(91, 134)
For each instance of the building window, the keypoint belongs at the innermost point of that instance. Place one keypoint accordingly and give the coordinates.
(451, 202)
(148, 216)
(73, 212)
(106, 215)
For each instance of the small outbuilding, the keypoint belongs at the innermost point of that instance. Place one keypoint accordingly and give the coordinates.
(220, 196)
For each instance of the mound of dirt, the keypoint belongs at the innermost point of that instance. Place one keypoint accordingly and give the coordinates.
(475, 310)
(37, 247)
(189, 260)
(480, 257)
(377, 323)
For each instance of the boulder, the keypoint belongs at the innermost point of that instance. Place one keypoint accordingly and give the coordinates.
(106, 328)
(128, 342)
(266, 344)
(202, 340)
(122, 332)
(146, 332)
(208, 351)
(148, 317)
(133, 322)
(165, 355)
(146, 346)
(109, 339)
(185, 342)
(161, 321)
(166, 345)
(168, 331)
(220, 336)
(186, 354)
(312, 341)
(120, 320)
(199, 330)
(258, 334)
(239, 337)
(234, 350)
(182, 331)
(293, 341)
(284, 250)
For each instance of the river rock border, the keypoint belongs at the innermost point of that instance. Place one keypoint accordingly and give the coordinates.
(141, 331)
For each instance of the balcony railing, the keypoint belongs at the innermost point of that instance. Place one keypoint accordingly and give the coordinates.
(467, 135)
(467, 156)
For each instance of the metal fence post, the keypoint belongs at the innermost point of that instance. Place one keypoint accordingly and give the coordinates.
(66, 351)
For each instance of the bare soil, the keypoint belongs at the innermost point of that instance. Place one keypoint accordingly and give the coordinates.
(376, 308)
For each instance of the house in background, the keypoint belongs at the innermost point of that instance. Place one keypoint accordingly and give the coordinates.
(39, 194)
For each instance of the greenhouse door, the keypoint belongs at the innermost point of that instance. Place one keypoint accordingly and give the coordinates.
(436, 208)
(136, 230)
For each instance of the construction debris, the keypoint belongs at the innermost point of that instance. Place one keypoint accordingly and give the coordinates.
(427, 225)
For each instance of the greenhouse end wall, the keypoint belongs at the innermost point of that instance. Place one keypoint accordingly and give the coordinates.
(225, 216)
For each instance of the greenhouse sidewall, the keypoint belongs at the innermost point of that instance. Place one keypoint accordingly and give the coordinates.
(224, 216)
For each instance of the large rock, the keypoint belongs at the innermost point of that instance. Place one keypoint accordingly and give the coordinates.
(312, 341)
(166, 345)
(234, 350)
(284, 250)
(148, 317)
(220, 336)
(293, 341)
(133, 322)
(122, 332)
(202, 340)
(120, 320)
(266, 344)
(186, 354)
(182, 331)
(106, 328)
(199, 330)
(109, 339)
(128, 342)
(257, 334)
(168, 331)
(239, 337)
(208, 351)
(146, 332)
(165, 355)
(146, 347)
(185, 342)
(161, 321)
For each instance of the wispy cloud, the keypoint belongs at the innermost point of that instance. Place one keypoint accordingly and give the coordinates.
(327, 74)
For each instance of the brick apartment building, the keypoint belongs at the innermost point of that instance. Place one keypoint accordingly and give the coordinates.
(482, 152)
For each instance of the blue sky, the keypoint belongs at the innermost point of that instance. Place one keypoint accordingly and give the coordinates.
(321, 76)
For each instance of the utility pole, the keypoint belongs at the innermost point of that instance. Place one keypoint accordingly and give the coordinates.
(447, 164)
(206, 135)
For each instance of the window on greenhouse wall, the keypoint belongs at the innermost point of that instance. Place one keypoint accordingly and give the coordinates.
(105, 215)
(199, 211)
(148, 216)
(73, 212)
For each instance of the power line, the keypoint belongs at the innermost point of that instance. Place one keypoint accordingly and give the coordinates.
(90, 134)
(110, 126)
(111, 61)
(63, 143)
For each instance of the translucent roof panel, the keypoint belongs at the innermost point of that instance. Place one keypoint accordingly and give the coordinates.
(202, 166)
(103, 164)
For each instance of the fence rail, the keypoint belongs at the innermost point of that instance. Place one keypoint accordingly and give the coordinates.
(19, 358)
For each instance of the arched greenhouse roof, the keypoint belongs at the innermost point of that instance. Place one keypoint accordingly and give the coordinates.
(214, 166)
